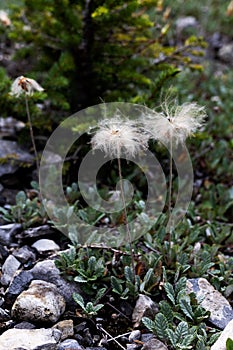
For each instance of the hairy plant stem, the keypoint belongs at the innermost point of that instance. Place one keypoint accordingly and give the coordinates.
(32, 134)
(125, 215)
(170, 191)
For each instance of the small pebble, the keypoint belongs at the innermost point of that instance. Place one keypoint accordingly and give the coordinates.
(24, 254)
(66, 327)
(70, 344)
(9, 268)
(134, 335)
(45, 245)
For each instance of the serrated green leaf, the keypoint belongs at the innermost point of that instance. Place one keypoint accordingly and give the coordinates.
(92, 263)
(166, 310)
(98, 307)
(200, 345)
(170, 292)
(181, 331)
(161, 325)
(116, 285)
(129, 274)
(186, 308)
(148, 275)
(79, 300)
(100, 294)
(180, 285)
(171, 337)
(149, 324)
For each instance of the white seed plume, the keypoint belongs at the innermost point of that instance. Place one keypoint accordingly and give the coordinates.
(23, 85)
(117, 136)
(175, 122)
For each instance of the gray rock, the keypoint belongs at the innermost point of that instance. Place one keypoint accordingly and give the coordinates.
(24, 254)
(133, 347)
(186, 22)
(30, 339)
(134, 335)
(154, 344)
(95, 348)
(14, 156)
(45, 245)
(9, 268)
(145, 307)
(220, 344)
(66, 327)
(41, 302)
(25, 325)
(46, 270)
(221, 312)
(19, 283)
(146, 336)
(70, 344)
(226, 53)
(9, 126)
(35, 232)
(7, 232)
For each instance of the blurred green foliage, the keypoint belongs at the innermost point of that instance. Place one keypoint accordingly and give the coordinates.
(86, 52)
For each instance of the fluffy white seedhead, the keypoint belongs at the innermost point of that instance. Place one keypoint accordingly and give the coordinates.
(118, 136)
(175, 122)
(23, 85)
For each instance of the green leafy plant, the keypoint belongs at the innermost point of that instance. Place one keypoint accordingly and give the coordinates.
(26, 211)
(90, 309)
(180, 320)
(66, 262)
(130, 287)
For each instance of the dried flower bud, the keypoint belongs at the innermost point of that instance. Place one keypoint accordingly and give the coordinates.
(23, 85)
(4, 19)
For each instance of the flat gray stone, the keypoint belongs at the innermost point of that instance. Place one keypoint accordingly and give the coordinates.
(30, 339)
(9, 268)
(45, 245)
(41, 302)
(221, 312)
(24, 254)
(70, 344)
(154, 344)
